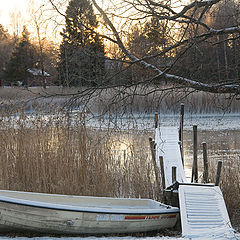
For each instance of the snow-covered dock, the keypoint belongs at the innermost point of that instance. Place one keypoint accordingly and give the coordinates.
(202, 207)
(203, 213)
(167, 146)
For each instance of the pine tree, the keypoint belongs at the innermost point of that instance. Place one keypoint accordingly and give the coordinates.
(24, 56)
(81, 51)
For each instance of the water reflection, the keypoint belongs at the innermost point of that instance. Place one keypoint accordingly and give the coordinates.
(221, 145)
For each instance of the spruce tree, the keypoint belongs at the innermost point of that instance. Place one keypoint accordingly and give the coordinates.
(6, 45)
(81, 51)
(24, 56)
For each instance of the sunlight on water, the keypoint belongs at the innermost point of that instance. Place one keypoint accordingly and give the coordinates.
(220, 133)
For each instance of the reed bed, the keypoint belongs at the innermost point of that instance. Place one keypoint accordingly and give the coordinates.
(141, 99)
(55, 152)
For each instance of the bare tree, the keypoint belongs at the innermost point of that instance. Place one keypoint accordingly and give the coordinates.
(40, 25)
(16, 23)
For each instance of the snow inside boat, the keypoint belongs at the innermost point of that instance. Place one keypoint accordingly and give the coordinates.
(66, 214)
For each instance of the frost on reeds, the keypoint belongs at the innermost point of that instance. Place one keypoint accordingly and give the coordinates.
(58, 152)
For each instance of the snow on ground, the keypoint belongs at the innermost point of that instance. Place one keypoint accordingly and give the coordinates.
(106, 238)
(93, 238)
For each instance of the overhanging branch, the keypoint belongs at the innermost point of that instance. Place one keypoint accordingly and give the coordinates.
(227, 88)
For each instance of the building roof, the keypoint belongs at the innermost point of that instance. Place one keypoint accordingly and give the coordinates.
(38, 72)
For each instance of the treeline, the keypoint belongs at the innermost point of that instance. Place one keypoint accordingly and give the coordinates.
(20, 57)
(82, 58)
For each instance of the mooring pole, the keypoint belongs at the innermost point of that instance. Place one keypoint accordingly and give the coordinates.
(156, 170)
(205, 163)
(195, 150)
(163, 178)
(162, 172)
(156, 119)
(181, 130)
(219, 168)
(174, 174)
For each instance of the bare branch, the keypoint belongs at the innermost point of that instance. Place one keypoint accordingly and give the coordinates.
(215, 88)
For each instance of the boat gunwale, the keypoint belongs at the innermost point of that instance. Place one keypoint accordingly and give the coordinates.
(100, 210)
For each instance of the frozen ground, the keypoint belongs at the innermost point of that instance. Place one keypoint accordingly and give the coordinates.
(93, 238)
(104, 238)
(204, 122)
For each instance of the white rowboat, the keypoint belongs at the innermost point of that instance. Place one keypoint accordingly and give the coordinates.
(66, 214)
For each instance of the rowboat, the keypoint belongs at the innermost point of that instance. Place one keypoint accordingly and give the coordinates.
(67, 214)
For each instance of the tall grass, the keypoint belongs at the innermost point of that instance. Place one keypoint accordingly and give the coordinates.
(56, 152)
(139, 99)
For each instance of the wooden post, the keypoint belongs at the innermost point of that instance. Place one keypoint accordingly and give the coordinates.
(219, 168)
(181, 130)
(195, 150)
(156, 119)
(205, 163)
(174, 174)
(156, 170)
(163, 179)
(162, 172)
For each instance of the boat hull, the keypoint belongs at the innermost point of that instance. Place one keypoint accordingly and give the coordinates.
(21, 217)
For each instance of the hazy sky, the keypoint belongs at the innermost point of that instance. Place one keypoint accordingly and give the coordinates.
(8, 6)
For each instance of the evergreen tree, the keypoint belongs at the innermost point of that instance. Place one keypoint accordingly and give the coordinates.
(3, 33)
(81, 51)
(6, 46)
(23, 57)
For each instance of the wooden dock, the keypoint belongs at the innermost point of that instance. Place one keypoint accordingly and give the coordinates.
(202, 207)
(167, 146)
(203, 213)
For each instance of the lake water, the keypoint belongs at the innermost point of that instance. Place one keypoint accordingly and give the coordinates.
(220, 132)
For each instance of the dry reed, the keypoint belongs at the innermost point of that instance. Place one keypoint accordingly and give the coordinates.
(58, 153)
(139, 99)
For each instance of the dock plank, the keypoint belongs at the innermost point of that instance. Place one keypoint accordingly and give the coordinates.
(167, 146)
(204, 217)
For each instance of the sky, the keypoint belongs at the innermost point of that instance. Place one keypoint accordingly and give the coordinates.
(8, 6)
(24, 8)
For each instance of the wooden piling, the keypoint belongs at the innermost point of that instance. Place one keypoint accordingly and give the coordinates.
(181, 130)
(156, 119)
(156, 169)
(195, 150)
(174, 174)
(219, 168)
(162, 172)
(205, 163)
